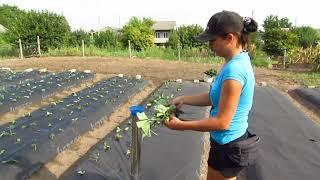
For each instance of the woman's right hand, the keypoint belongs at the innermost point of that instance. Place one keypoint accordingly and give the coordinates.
(178, 101)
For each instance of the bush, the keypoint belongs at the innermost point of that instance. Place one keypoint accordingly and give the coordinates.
(107, 39)
(307, 36)
(277, 41)
(186, 34)
(139, 32)
(52, 28)
(76, 37)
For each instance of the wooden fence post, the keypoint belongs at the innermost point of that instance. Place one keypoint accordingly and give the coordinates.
(20, 45)
(129, 49)
(83, 48)
(39, 49)
(179, 57)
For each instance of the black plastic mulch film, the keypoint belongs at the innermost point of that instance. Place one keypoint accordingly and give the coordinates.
(37, 89)
(29, 142)
(312, 95)
(11, 77)
(172, 154)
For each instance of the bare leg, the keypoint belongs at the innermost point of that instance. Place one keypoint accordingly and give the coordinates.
(216, 175)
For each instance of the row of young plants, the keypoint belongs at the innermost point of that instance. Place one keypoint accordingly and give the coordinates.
(36, 89)
(42, 134)
(8, 76)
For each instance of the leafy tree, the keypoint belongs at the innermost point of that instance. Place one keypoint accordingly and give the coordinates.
(53, 29)
(275, 22)
(186, 34)
(107, 39)
(173, 40)
(139, 32)
(307, 36)
(77, 36)
(276, 41)
(8, 14)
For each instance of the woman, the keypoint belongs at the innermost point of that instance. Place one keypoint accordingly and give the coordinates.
(230, 95)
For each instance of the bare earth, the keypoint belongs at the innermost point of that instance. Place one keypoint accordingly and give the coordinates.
(157, 71)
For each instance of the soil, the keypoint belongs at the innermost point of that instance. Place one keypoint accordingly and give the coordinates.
(157, 71)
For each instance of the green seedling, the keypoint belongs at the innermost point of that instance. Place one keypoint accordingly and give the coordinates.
(24, 126)
(162, 111)
(2, 151)
(27, 114)
(106, 147)
(118, 137)
(128, 153)
(95, 157)
(10, 161)
(51, 136)
(34, 146)
(18, 140)
(81, 172)
(118, 130)
(33, 124)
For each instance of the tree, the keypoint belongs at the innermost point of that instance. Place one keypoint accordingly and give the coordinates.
(9, 14)
(52, 28)
(186, 34)
(307, 36)
(139, 32)
(107, 39)
(173, 40)
(77, 36)
(276, 41)
(275, 22)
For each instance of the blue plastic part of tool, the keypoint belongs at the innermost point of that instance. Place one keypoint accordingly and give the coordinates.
(136, 109)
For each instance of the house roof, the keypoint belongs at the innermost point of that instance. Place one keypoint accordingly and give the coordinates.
(164, 25)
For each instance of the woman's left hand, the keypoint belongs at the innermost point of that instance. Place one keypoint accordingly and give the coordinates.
(174, 123)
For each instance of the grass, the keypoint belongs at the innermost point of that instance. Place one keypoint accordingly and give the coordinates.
(7, 51)
(304, 78)
(157, 53)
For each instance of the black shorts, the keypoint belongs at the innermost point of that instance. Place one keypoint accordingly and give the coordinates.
(229, 159)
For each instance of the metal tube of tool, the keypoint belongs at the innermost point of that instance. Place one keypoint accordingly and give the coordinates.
(135, 143)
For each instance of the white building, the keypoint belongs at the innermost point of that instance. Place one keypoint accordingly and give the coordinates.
(163, 31)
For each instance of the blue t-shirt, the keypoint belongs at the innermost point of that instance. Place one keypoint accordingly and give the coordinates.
(238, 68)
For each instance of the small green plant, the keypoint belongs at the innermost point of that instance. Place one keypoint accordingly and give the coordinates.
(34, 146)
(95, 157)
(2, 151)
(162, 111)
(211, 72)
(81, 172)
(106, 147)
(118, 137)
(10, 161)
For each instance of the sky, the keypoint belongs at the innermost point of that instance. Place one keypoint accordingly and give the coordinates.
(97, 14)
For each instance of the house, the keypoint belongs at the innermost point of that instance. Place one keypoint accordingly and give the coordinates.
(163, 30)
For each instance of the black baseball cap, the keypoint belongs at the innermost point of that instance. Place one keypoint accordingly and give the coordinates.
(221, 23)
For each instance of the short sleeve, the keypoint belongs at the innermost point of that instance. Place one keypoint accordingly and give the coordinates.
(234, 71)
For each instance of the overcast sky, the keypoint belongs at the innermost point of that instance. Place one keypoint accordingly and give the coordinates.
(96, 14)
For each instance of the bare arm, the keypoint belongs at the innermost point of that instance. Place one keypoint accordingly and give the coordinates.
(231, 91)
(197, 100)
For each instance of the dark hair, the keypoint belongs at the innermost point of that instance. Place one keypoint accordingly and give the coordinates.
(249, 25)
